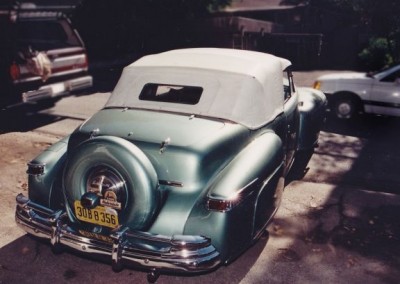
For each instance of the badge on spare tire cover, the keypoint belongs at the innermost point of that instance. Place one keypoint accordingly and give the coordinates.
(110, 200)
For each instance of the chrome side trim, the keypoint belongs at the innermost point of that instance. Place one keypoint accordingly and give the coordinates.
(171, 183)
(183, 253)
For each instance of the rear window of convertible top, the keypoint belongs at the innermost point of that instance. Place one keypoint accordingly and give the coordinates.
(189, 95)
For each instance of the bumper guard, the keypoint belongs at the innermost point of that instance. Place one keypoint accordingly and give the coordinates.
(179, 253)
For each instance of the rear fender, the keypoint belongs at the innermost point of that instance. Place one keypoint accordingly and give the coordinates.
(255, 162)
(239, 185)
(312, 107)
(42, 185)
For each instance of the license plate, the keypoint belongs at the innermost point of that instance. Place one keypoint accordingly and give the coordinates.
(57, 89)
(99, 215)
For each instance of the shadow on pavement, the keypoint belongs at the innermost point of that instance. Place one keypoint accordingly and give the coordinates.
(364, 126)
(376, 166)
(351, 237)
(24, 119)
(346, 231)
(27, 260)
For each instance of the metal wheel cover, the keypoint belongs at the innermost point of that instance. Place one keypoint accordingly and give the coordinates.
(344, 109)
(109, 185)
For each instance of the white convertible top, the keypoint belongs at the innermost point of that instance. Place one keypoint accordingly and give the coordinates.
(238, 85)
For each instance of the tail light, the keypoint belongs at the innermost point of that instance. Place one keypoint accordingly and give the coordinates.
(15, 72)
(229, 202)
(35, 169)
(220, 205)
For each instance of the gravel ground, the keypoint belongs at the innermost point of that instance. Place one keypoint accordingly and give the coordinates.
(17, 148)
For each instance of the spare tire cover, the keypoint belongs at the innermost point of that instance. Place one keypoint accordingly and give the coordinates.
(113, 167)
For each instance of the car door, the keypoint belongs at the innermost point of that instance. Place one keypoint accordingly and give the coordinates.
(385, 95)
(292, 118)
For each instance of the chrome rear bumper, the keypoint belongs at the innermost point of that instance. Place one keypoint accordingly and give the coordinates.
(179, 253)
(58, 89)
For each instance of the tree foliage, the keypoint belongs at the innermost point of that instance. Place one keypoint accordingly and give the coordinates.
(380, 19)
(376, 54)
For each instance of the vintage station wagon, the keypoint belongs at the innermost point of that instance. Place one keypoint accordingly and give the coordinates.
(42, 57)
(183, 168)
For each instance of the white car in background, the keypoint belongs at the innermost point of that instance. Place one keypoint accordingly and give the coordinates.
(350, 94)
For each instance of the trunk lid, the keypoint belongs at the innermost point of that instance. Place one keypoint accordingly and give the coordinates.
(182, 148)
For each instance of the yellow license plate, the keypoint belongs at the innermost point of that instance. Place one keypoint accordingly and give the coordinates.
(99, 215)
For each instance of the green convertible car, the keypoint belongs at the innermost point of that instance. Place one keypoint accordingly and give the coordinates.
(183, 168)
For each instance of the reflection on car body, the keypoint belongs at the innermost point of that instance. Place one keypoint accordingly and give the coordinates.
(183, 168)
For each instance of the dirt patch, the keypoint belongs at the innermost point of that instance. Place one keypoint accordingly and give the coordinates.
(17, 148)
